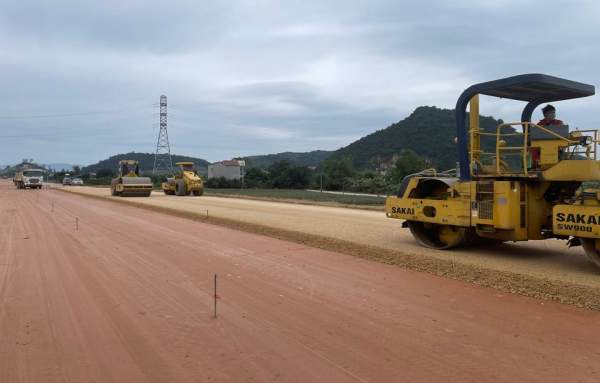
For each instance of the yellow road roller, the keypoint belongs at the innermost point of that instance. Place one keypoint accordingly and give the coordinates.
(129, 183)
(522, 181)
(185, 182)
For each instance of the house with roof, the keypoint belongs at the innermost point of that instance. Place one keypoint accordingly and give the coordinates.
(229, 169)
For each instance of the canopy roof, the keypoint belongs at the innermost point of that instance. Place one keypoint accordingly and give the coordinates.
(533, 87)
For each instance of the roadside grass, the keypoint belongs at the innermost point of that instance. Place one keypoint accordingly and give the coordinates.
(301, 195)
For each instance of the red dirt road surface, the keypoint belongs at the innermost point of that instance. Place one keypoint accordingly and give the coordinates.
(128, 298)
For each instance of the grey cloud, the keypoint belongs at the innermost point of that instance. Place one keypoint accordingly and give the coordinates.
(248, 77)
(159, 27)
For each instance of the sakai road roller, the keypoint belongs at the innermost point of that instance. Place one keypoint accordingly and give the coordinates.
(185, 182)
(129, 183)
(522, 181)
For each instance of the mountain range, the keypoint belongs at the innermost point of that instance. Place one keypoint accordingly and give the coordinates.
(428, 131)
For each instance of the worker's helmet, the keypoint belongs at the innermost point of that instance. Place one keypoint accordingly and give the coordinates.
(548, 108)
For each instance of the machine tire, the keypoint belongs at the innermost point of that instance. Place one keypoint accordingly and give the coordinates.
(198, 192)
(589, 245)
(180, 188)
(404, 185)
(168, 192)
(440, 237)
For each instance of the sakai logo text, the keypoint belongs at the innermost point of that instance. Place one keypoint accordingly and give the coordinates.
(403, 210)
(585, 219)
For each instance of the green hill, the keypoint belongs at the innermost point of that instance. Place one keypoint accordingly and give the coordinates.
(428, 131)
(314, 158)
(146, 161)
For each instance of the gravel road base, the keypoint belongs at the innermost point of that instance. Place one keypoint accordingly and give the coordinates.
(513, 282)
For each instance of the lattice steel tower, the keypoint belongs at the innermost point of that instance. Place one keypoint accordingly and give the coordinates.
(162, 158)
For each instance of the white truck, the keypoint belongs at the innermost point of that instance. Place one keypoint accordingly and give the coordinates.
(67, 180)
(29, 178)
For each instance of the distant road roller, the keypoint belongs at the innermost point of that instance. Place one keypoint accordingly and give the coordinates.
(185, 182)
(527, 182)
(129, 183)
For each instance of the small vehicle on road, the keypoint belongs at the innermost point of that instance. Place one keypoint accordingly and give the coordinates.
(67, 179)
(77, 182)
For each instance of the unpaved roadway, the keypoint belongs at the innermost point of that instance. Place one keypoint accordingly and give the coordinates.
(94, 291)
(545, 260)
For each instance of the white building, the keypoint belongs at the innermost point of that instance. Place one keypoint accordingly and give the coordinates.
(231, 169)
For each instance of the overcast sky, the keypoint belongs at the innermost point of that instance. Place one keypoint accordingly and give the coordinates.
(80, 81)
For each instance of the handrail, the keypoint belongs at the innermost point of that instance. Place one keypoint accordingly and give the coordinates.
(501, 150)
(526, 127)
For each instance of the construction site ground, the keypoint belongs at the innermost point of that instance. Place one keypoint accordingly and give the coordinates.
(544, 269)
(92, 290)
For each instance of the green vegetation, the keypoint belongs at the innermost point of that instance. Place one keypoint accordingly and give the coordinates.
(334, 175)
(302, 195)
(339, 174)
(310, 159)
(408, 162)
(428, 131)
(280, 175)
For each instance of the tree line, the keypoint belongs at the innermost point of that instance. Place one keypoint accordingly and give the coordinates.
(333, 174)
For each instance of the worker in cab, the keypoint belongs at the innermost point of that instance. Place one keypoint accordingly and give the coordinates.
(549, 119)
(552, 124)
(548, 122)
